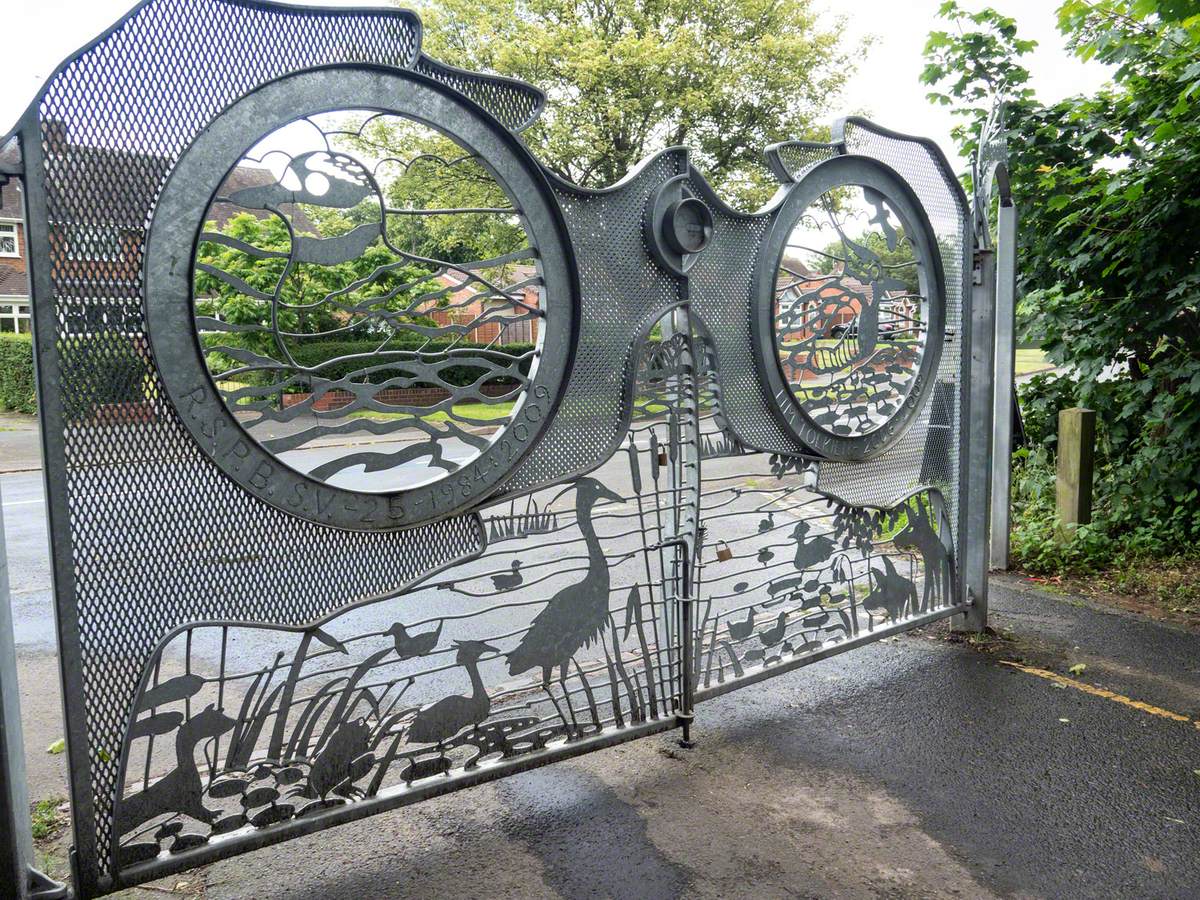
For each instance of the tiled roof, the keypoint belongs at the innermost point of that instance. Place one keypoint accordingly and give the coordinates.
(246, 176)
(13, 283)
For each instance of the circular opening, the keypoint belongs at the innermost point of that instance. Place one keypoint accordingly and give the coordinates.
(368, 301)
(851, 311)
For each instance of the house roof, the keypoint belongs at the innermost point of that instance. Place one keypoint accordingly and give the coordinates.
(13, 283)
(245, 177)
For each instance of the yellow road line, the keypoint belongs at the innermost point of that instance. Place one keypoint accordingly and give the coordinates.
(1100, 692)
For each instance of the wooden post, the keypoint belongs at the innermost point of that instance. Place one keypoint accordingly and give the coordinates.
(1076, 453)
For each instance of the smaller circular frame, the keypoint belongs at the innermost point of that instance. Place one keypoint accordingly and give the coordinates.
(847, 171)
(171, 247)
(678, 225)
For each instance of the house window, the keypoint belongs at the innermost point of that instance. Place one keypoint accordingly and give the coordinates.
(8, 239)
(14, 316)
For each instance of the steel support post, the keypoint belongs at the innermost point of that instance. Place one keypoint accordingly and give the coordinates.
(18, 878)
(16, 841)
(976, 509)
(1002, 422)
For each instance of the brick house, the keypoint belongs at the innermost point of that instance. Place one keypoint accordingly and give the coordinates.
(844, 299)
(463, 306)
(14, 261)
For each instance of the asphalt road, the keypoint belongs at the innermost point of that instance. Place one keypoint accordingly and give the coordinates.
(918, 767)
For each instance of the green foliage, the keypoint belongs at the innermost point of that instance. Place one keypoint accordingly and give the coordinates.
(299, 284)
(439, 175)
(625, 78)
(1128, 521)
(319, 352)
(45, 818)
(1109, 192)
(17, 391)
(900, 262)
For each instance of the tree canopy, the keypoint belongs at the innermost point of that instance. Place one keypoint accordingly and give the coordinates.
(1108, 188)
(625, 78)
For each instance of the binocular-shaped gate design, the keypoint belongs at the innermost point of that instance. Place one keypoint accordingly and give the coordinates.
(381, 461)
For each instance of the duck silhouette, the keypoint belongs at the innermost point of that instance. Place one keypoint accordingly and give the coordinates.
(342, 761)
(766, 524)
(811, 552)
(508, 582)
(575, 616)
(410, 646)
(773, 635)
(436, 723)
(765, 555)
(891, 593)
(182, 789)
(741, 630)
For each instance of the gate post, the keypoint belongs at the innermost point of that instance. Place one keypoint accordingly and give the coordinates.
(17, 871)
(976, 509)
(1002, 423)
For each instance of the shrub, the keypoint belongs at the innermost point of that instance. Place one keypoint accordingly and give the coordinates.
(1147, 469)
(312, 353)
(17, 391)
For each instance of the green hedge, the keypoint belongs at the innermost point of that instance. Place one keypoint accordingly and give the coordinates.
(16, 373)
(312, 353)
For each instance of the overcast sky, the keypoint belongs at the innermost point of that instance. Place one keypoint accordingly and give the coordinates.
(39, 33)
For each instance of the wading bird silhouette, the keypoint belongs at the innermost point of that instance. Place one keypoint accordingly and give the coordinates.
(575, 616)
(437, 723)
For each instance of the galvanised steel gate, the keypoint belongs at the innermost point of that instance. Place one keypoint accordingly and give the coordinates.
(381, 462)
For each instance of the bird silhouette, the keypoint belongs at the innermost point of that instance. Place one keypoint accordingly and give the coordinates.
(773, 635)
(575, 616)
(740, 630)
(436, 723)
(891, 594)
(766, 524)
(342, 761)
(810, 552)
(765, 555)
(508, 582)
(410, 646)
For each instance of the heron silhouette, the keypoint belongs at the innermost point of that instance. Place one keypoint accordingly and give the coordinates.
(438, 722)
(574, 617)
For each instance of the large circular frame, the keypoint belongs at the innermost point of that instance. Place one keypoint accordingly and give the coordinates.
(174, 234)
(848, 171)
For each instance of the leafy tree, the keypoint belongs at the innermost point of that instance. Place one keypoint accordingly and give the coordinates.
(436, 173)
(625, 78)
(1108, 188)
(900, 262)
(304, 284)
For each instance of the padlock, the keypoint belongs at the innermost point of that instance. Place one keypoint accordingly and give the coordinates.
(724, 554)
(662, 457)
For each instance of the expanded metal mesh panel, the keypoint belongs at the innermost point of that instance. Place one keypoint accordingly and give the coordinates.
(158, 537)
(622, 293)
(928, 453)
(515, 104)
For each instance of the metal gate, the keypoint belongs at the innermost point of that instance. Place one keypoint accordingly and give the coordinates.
(328, 541)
